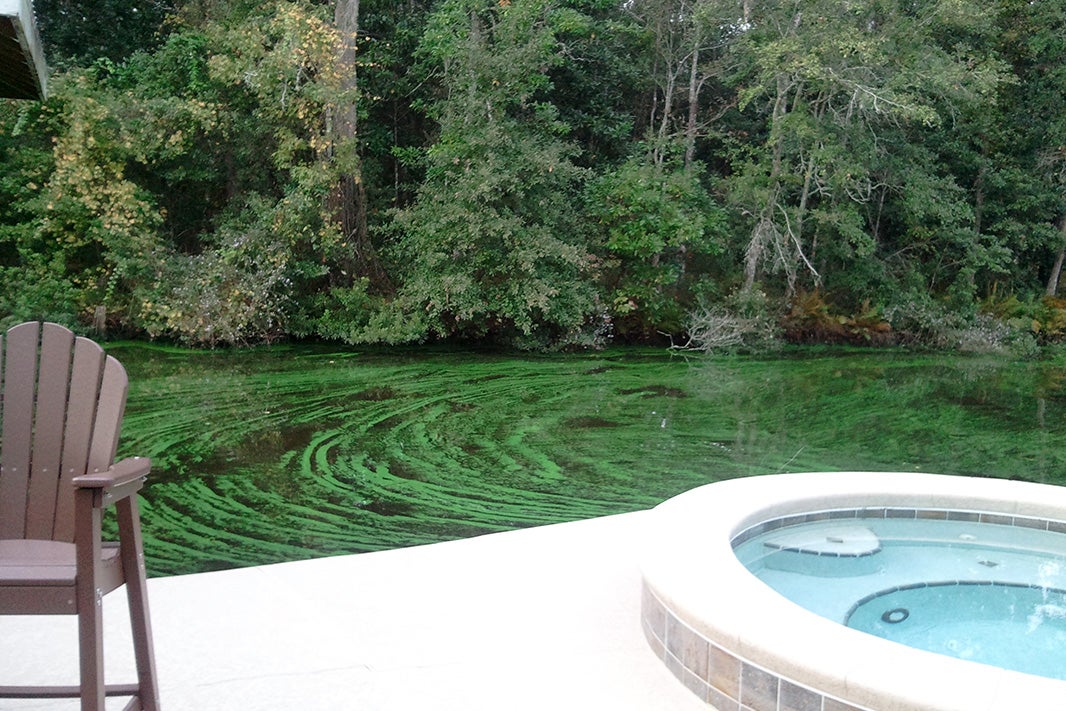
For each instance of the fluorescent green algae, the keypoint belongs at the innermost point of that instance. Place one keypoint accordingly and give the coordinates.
(291, 452)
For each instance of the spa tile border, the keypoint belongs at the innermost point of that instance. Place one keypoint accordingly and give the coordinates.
(1040, 524)
(724, 680)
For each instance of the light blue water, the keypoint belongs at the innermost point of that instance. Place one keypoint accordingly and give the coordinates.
(984, 592)
(1010, 626)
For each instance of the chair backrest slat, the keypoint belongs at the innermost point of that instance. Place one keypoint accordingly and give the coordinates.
(62, 405)
(85, 376)
(20, 377)
(109, 413)
(52, 391)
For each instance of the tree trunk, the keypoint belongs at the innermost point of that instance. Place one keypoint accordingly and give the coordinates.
(1056, 271)
(347, 201)
(979, 189)
(693, 108)
(664, 122)
(765, 231)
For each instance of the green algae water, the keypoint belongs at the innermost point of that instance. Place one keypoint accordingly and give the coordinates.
(290, 452)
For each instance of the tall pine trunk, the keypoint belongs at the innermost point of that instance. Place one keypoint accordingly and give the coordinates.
(347, 201)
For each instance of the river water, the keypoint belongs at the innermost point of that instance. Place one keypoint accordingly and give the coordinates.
(290, 452)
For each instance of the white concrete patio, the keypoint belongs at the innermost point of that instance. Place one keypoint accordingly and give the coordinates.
(544, 618)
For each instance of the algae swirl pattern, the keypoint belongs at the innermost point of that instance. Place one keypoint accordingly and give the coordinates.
(289, 452)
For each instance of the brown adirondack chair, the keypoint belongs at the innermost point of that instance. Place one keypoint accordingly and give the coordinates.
(62, 407)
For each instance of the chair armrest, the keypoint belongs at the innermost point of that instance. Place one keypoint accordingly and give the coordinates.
(117, 474)
(121, 479)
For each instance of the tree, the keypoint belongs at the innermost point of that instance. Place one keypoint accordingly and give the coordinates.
(653, 222)
(396, 88)
(1035, 35)
(492, 245)
(188, 190)
(85, 231)
(685, 38)
(829, 81)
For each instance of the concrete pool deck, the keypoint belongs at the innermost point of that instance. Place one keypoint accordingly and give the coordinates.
(542, 618)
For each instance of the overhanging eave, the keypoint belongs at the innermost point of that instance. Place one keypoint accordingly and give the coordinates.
(23, 72)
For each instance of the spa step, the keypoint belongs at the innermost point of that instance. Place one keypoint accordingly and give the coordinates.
(838, 541)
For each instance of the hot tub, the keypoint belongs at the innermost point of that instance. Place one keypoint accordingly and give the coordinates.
(733, 640)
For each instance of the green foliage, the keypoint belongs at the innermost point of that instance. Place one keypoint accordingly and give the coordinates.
(539, 172)
(82, 31)
(596, 90)
(81, 227)
(36, 290)
(1045, 318)
(237, 292)
(840, 90)
(652, 220)
(186, 191)
(395, 89)
(492, 245)
(919, 320)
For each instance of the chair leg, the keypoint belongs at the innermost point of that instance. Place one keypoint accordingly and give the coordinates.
(90, 603)
(132, 552)
(90, 632)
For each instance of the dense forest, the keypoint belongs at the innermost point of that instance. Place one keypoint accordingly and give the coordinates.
(543, 173)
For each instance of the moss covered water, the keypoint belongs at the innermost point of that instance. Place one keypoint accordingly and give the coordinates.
(291, 452)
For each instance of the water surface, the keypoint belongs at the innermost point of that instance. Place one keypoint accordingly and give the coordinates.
(290, 452)
(981, 591)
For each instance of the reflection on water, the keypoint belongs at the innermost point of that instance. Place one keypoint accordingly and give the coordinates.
(289, 452)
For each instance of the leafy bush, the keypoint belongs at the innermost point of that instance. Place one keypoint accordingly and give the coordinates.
(1045, 318)
(652, 221)
(33, 292)
(923, 321)
(235, 294)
